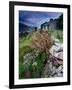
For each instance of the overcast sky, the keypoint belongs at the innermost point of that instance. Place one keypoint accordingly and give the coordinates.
(35, 19)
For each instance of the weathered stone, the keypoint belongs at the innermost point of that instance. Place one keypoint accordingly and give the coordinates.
(59, 69)
(52, 50)
(51, 25)
(54, 61)
(47, 71)
(57, 51)
(55, 48)
(60, 62)
(53, 70)
(59, 55)
(55, 75)
(59, 74)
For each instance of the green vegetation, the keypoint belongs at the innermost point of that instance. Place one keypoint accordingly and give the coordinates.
(33, 69)
(25, 41)
(23, 51)
(58, 34)
(60, 22)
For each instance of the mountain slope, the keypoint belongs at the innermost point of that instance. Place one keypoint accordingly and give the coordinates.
(24, 28)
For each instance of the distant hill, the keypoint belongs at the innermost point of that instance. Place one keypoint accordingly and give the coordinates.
(25, 28)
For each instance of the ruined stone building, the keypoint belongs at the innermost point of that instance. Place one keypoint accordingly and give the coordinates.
(51, 25)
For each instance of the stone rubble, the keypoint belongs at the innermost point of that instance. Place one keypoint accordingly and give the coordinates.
(54, 66)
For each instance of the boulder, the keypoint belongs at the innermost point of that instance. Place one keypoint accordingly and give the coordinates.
(59, 69)
(57, 50)
(59, 55)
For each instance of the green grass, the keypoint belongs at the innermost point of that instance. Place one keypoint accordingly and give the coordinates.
(25, 41)
(58, 34)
